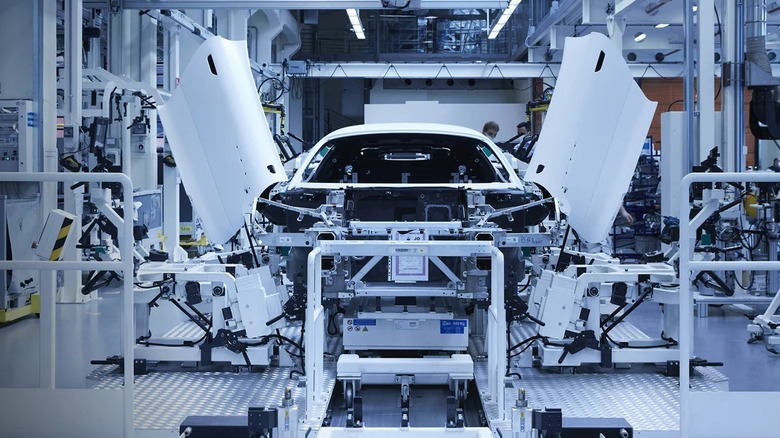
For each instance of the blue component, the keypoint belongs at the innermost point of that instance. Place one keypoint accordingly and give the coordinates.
(363, 322)
(32, 120)
(453, 327)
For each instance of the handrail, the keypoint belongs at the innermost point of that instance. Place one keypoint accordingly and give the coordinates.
(126, 266)
(687, 233)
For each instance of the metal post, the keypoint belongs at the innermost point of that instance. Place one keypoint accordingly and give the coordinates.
(728, 89)
(739, 84)
(495, 333)
(706, 80)
(315, 334)
(688, 93)
(48, 334)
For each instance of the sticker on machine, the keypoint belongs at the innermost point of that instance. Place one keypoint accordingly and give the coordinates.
(453, 327)
(409, 268)
(407, 324)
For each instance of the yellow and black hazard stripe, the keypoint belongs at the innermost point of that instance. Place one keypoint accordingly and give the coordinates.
(62, 236)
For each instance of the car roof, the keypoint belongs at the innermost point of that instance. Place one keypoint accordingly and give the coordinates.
(390, 128)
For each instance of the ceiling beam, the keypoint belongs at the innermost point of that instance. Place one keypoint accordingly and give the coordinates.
(429, 70)
(305, 4)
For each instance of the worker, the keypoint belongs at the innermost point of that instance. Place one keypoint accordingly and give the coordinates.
(523, 129)
(775, 167)
(490, 129)
(521, 142)
(524, 149)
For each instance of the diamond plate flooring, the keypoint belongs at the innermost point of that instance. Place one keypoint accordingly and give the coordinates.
(648, 401)
(164, 399)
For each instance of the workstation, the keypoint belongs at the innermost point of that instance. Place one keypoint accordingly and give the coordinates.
(377, 218)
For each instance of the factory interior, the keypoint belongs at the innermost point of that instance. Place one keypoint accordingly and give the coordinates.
(384, 218)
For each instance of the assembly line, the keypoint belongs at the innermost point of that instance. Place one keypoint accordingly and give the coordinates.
(208, 233)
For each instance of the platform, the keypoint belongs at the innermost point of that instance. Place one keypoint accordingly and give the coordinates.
(164, 399)
(702, 302)
(649, 401)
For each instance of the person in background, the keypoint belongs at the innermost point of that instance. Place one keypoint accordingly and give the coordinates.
(523, 129)
(775, 167)
(490, 129)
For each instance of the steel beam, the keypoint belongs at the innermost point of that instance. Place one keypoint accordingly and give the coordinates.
(303, 4)
(371, 70)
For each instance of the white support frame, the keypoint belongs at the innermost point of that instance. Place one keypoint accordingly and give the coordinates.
(315, 313)
(688, 267)
(48, 297)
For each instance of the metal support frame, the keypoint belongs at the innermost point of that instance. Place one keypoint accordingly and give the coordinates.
(688, 268)
(300, 4)
(48, 306)
(491, 70)
(315, 313)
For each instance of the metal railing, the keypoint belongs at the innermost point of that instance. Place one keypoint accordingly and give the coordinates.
(48, 297)
(688, 269)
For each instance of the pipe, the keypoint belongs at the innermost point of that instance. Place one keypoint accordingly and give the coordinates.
(739, 87)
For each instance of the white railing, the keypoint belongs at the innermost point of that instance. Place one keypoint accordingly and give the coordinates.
(729, 413)
(48, 303)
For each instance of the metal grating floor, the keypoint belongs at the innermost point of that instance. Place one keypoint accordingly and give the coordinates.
(164, 399)
(648, 401)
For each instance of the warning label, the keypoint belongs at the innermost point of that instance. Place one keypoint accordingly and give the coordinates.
(453, 327)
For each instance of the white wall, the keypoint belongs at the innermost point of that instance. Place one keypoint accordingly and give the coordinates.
(470, 115)
(16, 48)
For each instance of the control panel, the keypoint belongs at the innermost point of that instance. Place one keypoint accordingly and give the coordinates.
(17, 121)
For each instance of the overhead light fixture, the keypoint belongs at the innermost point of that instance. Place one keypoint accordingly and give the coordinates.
(694, 8)
(503, 19)
(357, 26)
(640, 36)
(661, 25)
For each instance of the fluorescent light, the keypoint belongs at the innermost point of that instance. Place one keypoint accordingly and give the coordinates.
(357, 26)
(502, 20)
(661, 25)
(640, 36)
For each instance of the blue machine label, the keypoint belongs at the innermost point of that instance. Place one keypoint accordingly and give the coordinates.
(453, 327)
(363, 322)
(32, 120)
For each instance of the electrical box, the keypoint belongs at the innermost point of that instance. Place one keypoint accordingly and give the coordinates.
(296, 68)
(17, 121)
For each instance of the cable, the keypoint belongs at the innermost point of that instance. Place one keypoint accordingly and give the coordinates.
(671, 343)
(672, 104)
(252, 245)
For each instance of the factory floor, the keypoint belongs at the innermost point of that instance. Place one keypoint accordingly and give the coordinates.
(90, 331)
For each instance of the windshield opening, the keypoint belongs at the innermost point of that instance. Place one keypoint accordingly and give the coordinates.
(406, 158)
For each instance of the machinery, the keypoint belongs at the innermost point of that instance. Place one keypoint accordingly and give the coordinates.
(414, 248)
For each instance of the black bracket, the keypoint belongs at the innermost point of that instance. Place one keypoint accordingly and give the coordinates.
(355, 413)
(455, 416)
(262, 421)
